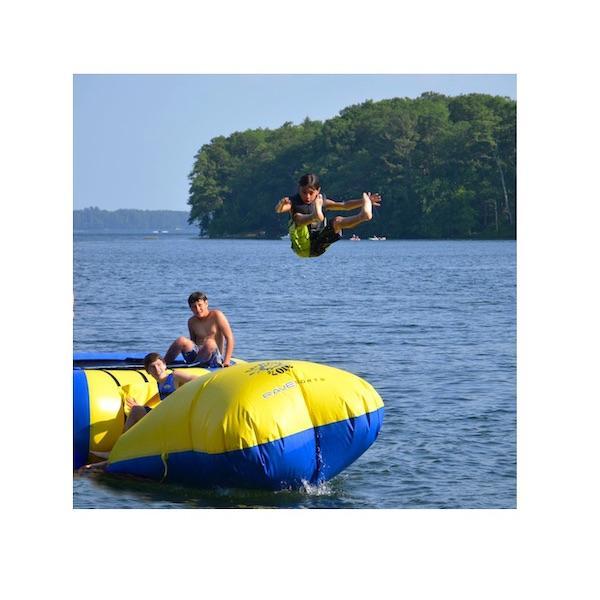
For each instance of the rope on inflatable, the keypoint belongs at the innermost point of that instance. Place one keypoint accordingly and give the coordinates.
(163, 457)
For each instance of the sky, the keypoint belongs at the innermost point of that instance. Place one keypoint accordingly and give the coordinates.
(135, 136)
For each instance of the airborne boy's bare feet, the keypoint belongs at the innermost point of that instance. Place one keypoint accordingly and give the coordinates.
(365, 214)
(319, 208)
(367, 207)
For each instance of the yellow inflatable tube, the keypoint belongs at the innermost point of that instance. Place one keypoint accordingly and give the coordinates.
(99, 408)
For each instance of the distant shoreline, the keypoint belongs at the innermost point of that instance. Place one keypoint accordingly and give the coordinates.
(194, 234)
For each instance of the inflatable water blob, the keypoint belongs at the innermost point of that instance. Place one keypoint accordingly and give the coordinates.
(101, 382)
(270, 425)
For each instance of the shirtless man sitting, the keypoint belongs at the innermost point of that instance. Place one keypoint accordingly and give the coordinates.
(209, 331)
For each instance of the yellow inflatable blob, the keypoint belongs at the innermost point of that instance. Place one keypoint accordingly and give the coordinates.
(270, 424)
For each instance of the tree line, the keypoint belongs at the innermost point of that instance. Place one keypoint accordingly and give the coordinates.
(445, 166)
(129, 219)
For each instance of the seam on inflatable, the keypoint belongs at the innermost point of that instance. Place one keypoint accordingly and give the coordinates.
(142, 375)
(111, 375)
(318, 458)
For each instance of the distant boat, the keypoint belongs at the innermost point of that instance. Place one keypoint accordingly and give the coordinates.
(354, 238)
(377, 239)
(155, 231)
(285, 237)
(164, 231)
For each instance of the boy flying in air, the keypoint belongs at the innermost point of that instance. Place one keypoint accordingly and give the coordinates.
(310, 233)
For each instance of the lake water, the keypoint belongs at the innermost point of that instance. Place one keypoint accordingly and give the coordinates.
(430, 324)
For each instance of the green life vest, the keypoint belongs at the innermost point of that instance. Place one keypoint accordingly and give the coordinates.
(300, 238)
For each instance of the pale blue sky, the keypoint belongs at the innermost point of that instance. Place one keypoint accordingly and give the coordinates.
(135, 136)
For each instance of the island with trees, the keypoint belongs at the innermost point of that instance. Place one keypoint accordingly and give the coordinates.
(445, 166)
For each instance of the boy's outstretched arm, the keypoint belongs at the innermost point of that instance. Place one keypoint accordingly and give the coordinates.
(284, 205)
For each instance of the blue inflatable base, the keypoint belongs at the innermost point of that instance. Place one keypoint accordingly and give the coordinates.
(312, 456)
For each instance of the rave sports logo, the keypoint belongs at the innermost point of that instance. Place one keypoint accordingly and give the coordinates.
(278, 389)
(272, 367)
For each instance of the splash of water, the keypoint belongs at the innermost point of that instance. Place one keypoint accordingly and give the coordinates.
(320, 489)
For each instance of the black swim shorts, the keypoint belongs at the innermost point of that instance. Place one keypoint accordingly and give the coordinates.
(321, 240)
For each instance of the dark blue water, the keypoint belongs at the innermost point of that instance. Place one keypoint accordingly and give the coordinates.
(431, 325)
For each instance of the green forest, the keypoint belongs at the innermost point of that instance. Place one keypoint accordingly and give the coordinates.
(445, 166)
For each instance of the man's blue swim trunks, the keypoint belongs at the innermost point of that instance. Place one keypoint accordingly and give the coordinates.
(191, 357)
